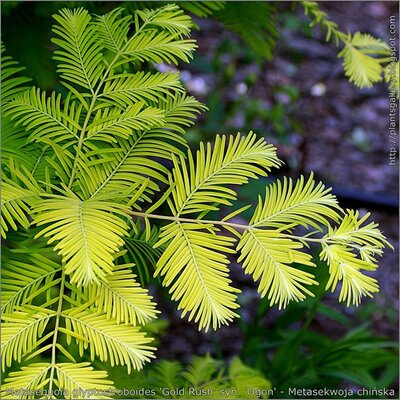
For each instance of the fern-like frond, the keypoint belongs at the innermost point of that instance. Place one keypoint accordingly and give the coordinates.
(359, 62)
(20, 192)
(88, 233)
(43, 116)
(82, 381)
(133, 161)
(113, 29)
(180, 113)
(195, 268)
(80, 58)
(130, 168)
(344, 266)
(362, 54)
(125, 89)
(352, 230)
(20, 332)
(369, 44)
(57, 161)
(111, 122)
(118, 344)
(340, 249)
(267, 255)
(120, 297)
(13, 143)
(38, 165)
(21, 384)
(15, 148)
(16, 203)
(24, 277)
(17, 174)
(392, 73)
(11, 83)
(290, 204)
(201, 370)
(141, 251)
(80, 164)
(202, 183)
(168, 374)
(158, 47)
(170, 18)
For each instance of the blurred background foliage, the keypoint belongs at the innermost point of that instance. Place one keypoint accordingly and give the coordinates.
(314, 344)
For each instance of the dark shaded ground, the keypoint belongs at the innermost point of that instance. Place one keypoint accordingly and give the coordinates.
(339, 132)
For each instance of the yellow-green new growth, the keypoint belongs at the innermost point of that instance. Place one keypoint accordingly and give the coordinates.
(83, 167)
(363, 55)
